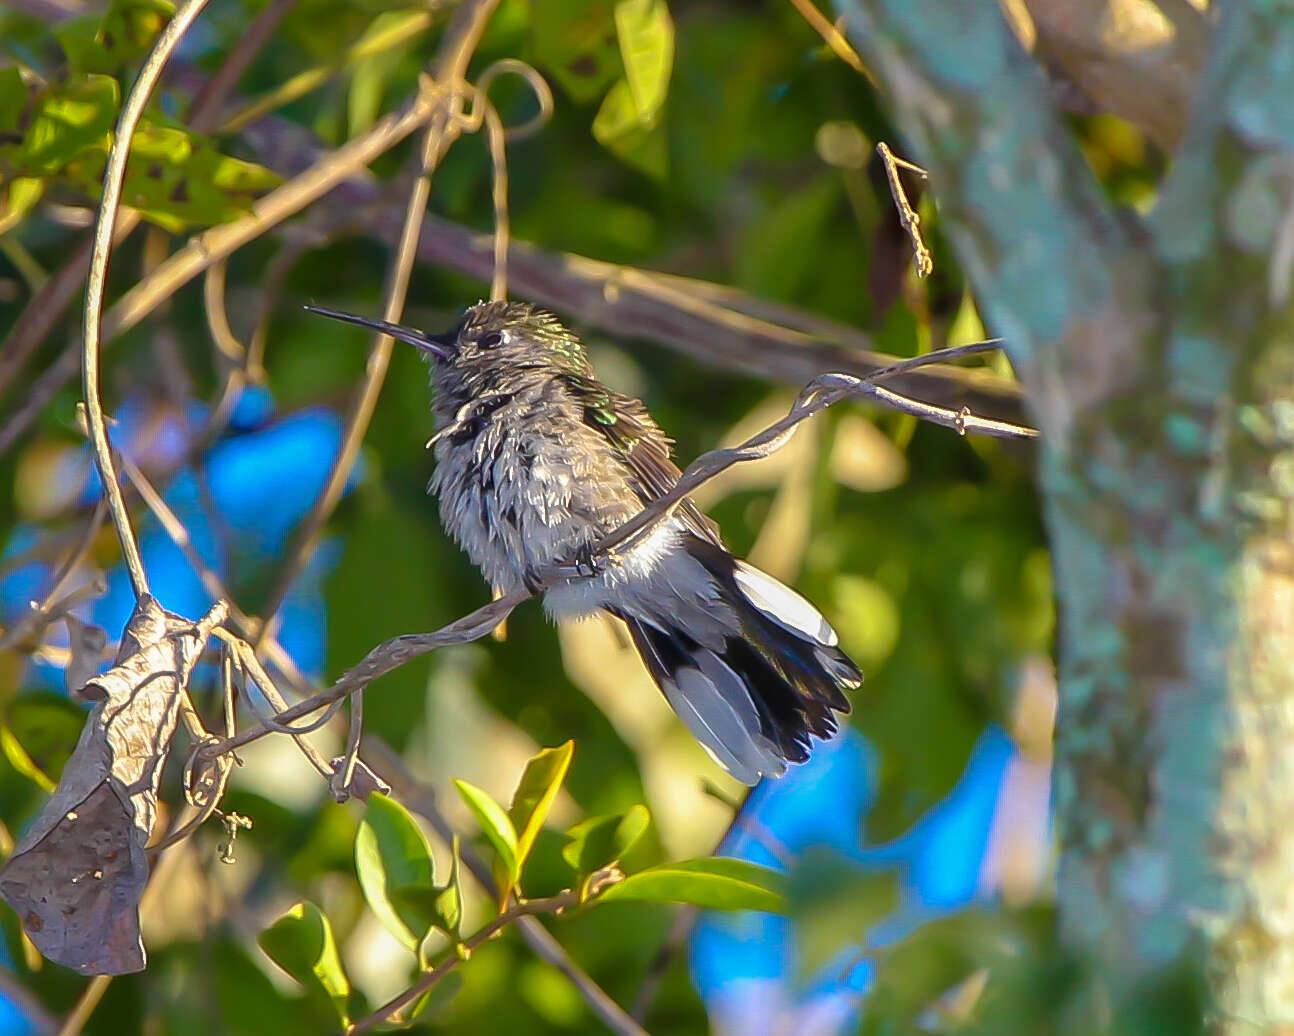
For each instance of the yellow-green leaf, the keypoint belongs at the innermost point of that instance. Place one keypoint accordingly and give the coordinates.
(602, 841)
(494, 822)
(716, 883)
(646, 35)
(538, 787)
(77, 116)
(392, 853)
(21, 761)
(301, 943)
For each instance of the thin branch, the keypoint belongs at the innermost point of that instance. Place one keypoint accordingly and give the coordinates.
(832, 37)
(43, 612)
(526, 908)
(213, 305)
(113, 178)
(411, 25)
(907, 214)
(205, 113)
(85, 1005)
(444, 128)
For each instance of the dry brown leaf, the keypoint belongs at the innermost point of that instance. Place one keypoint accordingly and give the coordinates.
(76, 876)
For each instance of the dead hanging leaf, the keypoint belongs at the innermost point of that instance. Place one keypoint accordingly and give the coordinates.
(76, 876)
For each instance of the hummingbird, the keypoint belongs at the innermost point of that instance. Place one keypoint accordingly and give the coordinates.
(537, 460)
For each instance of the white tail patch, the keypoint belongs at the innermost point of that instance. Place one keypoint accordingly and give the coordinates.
(718, 724)
(783, 605)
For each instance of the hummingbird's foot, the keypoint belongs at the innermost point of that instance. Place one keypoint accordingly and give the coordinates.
(588, 563)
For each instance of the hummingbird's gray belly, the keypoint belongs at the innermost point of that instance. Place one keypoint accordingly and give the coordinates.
(517, 496)
(516, 499)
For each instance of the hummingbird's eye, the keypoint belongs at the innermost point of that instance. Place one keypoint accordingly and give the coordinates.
(490, 340)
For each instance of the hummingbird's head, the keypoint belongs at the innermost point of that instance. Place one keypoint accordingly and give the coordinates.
(488, 335)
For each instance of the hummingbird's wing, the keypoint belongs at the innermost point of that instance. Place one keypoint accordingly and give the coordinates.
(639, 441)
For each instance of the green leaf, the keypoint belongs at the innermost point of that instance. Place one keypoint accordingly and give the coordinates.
(130, 27)
(79, 38)
(438, 907)
(70, 120)
(618, 128)
(17, 198)
(832, 902)
(46, 727)
(448, 907)
(13, 99)
(646, 35)
(716, 883)
(301, 943)
(575, 41)
(21, 761)
(392, 853)
(536, 791)
(602, 841)
(494, 822)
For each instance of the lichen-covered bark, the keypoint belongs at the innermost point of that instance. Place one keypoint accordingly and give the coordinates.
(1160, 365)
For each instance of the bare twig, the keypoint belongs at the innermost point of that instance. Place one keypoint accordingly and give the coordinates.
(205, 113)
(213, 305)
(832, 37)
(907, 214)
(444, 128)
(43, 612)
(410, 25)
(85, 1005)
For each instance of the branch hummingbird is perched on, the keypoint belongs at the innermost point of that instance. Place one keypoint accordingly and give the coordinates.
(536, 461)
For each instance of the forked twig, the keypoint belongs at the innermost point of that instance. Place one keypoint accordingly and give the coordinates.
(907, 214)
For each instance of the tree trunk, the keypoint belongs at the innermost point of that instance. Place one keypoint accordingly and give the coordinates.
(1159, 361)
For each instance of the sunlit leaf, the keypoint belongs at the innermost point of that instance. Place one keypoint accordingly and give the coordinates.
(618, 128)
(21, 761)
(494, 822)
(17, 198)
(392, 853)
(716, 883)
(301, 943)
(536, 791)
(601, 841)
(69, 120)
(646, 35)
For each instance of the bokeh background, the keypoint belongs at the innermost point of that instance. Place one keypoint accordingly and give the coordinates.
(757, 180)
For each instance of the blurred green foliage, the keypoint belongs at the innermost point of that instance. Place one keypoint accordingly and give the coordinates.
(686, 137)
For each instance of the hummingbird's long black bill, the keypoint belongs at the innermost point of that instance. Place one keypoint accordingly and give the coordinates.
(440, 346)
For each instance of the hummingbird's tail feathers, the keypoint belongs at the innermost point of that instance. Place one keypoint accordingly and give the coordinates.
(773, 679)
(711, 699)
